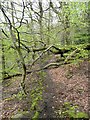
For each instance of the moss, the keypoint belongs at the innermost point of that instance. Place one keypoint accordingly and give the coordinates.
(19, 115)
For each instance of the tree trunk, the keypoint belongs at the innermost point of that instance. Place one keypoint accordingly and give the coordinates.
(40, 20)
(3, 60)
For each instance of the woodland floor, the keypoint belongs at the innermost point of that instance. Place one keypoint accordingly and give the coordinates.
(67, 83)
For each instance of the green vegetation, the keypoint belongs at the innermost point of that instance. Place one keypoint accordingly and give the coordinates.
(29, 33)
(71, 111)
(36, 96)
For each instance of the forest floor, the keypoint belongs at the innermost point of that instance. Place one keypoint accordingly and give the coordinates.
(66, 83)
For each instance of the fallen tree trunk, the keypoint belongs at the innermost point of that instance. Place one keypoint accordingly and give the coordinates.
(51, 65)
(58, 51)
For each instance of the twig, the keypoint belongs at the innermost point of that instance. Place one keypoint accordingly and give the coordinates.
(69, 56)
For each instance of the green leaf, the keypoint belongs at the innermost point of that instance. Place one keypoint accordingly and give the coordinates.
(81, 115)
(36, 116)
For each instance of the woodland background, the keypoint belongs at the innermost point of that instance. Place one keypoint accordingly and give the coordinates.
(32, 31)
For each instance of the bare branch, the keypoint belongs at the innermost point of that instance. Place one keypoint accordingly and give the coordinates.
(5, 33)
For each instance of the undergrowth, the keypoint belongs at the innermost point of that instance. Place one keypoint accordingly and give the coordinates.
(71, 111)
(36, 96)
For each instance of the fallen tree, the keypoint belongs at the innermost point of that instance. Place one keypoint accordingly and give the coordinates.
(54, 50)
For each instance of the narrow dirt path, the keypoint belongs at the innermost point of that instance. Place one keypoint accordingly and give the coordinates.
(49, 96)
(66, 84)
